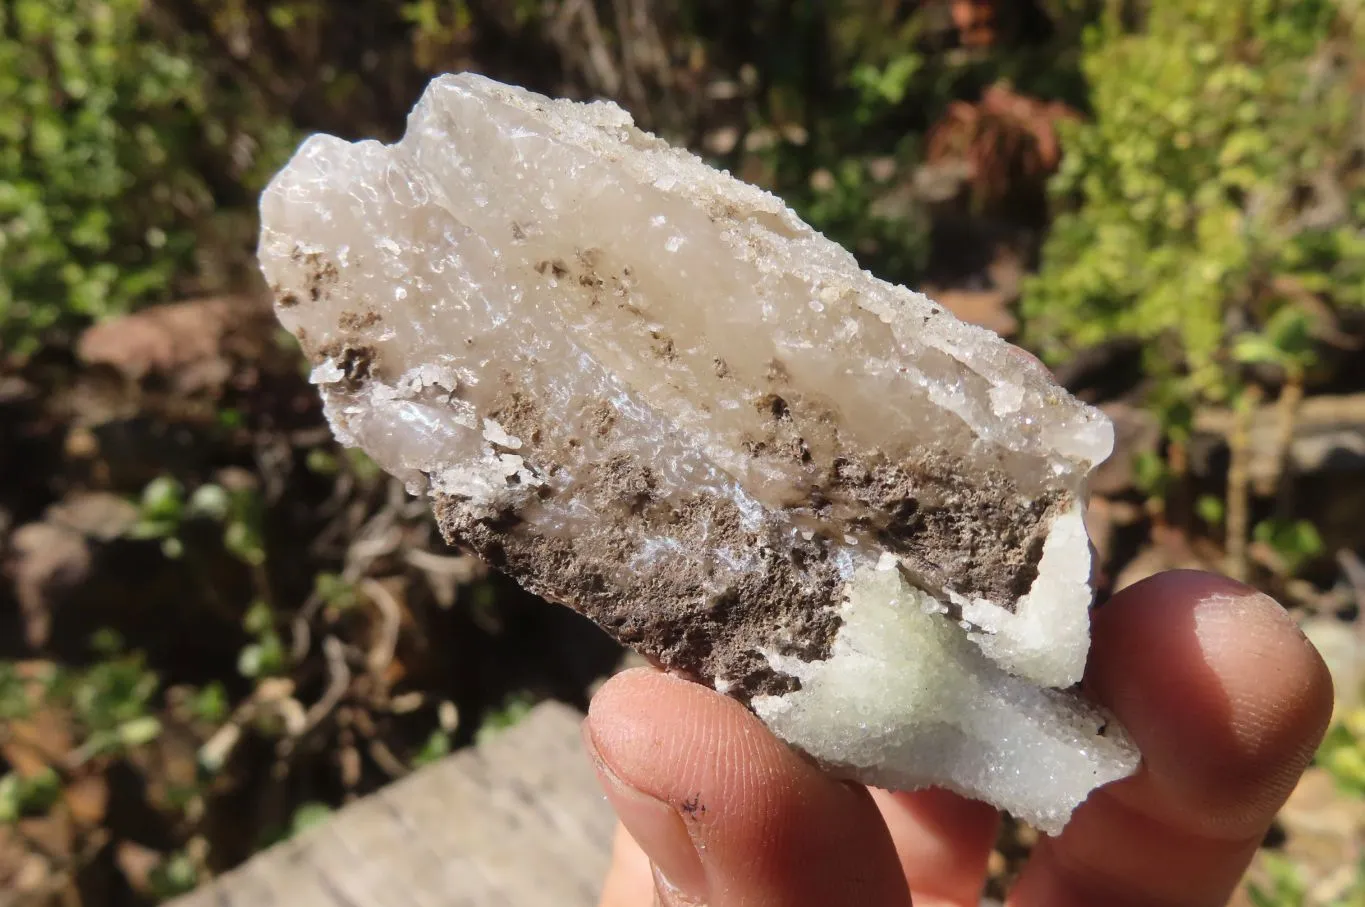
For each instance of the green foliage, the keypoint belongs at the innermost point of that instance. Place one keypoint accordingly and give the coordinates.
(366, 470)
(93, 111)
(101, 193)
(160, 511)
(210, 704)
(515, 707)
(21, 797)
(113, 701)
(1212, 190)
(843, 204)
(321, 461)
(163, 508)
(113, 704)
(1295, 542)
(265, 657)
(1285, 341)
(335, 591)
(175, 875)
(110, 693)
(308, 815)
(884, 86)
(14, 700)
(1151, 474)
(1284, 886)
(1343, 752)
(242, 526)
(1211, 509)
(436, 748)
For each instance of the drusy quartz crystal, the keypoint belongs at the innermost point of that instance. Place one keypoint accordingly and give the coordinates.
(651, 392)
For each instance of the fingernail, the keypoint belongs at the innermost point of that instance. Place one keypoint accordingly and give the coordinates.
(659, 830)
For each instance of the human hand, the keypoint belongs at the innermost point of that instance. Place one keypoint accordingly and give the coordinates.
(1224, 696)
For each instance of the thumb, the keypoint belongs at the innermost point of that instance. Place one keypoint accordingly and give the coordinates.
(728, 814)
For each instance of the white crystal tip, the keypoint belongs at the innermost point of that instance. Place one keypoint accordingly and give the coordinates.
(651, 392)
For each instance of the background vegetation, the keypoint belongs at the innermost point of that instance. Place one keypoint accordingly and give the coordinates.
(215, 626)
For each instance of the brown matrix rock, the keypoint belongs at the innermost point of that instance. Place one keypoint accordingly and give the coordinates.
(651, 392)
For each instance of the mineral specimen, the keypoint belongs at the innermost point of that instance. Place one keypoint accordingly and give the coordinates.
(651, 392)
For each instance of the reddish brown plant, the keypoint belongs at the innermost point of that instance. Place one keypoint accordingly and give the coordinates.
(1007, 140)
(975, 21)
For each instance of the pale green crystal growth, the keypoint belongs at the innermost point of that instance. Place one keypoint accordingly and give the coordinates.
(651, 392)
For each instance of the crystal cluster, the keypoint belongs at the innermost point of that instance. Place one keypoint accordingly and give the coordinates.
(651, 392)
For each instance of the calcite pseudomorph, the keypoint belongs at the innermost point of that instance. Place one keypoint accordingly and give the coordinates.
(651, 392)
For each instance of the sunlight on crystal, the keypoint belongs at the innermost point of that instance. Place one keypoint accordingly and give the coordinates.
(649, 391)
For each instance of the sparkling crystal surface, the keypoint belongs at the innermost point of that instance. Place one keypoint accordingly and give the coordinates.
(651, 392)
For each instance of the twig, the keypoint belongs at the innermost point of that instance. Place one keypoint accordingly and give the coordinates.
(598, 62)
(381, 654)
(348, 760)
(377, 538)
(1354, 571)
(1318, 411)
(301, 636)
(339, 681)
(386, 760)
(628, 40)
(276, 693)
(1239, 491)
(1287, 407)
(460, 566)
(445, 574)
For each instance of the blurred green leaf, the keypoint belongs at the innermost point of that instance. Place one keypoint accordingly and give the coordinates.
(34, 795)
(106, 641)
(261, 659)
(210, 704)
(163, 500)
(108, 164)
(365, 469)
(885, 85)
(437, 747)
(11, 798)
(114, 691)
(1150, 474)
(175, 875)
(309, 815)
(1296, 542)
(513, 709)
(1285, 888)
(243, 540)
(209, 501)
(14, 700)
(139, 731)
(334, 590)
(322, 462)
(1179, 223)
(259, 619)
(1210, 509)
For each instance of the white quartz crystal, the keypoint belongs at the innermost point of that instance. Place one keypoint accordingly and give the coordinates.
(900, 722)
(651, 392)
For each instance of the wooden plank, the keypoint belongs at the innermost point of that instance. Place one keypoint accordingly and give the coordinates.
(517, 821)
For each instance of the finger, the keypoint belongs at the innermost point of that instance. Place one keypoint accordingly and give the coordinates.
(943, 841)
(1227, 700)
(630, 879)
(727, 813)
